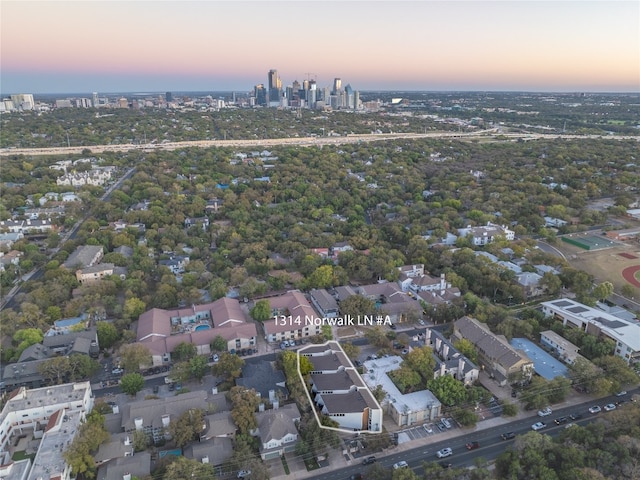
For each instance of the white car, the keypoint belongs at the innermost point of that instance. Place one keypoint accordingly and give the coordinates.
(595, 409)
(243, 473)
(445, 452)
(400, 464)
(545, 412)
(621, 394)
(538, 426)
(427, 428)
(608, 407)
(215, 357)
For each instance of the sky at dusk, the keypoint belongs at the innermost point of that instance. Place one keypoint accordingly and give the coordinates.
(150, 46)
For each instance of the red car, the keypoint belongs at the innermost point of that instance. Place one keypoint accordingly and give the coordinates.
(472, 445)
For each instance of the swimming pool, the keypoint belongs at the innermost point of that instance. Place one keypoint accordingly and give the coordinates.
(202, 327)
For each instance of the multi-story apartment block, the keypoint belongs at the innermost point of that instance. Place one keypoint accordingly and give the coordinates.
(625, 333)
(51, 414)
(486, 234)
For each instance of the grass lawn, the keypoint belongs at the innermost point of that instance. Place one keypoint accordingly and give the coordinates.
(311, 464)
(21, 455)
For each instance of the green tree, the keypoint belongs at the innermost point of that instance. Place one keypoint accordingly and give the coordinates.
(321, 277)
(352, 351)
(26, 337)
(421, 360)
(228, 366)
(187, 427)
(467, 348)
(184, 351)
(133, 356)
(133, 308)
(602, 291)
(448, 390)
(376, 336)
(183, 468)
(406, 379)
(107, 334)
(244, 405)
(357, 305)
(261, 311)
(80, 454)
(132, 383)
(218, 344)
(198, 367)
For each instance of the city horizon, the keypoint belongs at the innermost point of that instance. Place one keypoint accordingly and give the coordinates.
(516, 46)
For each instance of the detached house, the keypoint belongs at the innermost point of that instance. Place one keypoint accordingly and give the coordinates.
(277, 430)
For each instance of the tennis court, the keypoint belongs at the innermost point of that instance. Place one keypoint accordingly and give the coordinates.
(589, 242)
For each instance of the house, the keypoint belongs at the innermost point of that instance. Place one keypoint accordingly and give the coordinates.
(202, 221)
(27, 226)
(175, 263)
(216, 451)
(8, 259)
(566, 351)
(52, 414)
(119, 445)
(218, 425)
(277, 430)
(213, 205)
(391, 301)
(339, 248)
(325, 304)
(530, 282)
(265, 379)
(449, 361)
(154, 415)
(342, 396)
(84, 256)
(97, 272)
(126, 468)
(404, 409)
(486, 234)
(624, 333)
(162, 330)
(8, 239)
(496, 356)
(294, 317)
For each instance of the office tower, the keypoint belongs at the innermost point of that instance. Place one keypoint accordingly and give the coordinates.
(356, 99)
(312, 94)
(96, 100)
(337, 85)
(275, 87)
(23, 101)
(260, 94)
(168, 97)
(349, 98)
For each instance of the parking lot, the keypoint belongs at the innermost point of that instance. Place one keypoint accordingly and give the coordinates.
(417, 432)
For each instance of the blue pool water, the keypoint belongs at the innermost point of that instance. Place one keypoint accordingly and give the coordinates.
(202, 327)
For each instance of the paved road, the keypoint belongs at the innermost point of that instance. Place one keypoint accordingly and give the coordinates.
(305, 141)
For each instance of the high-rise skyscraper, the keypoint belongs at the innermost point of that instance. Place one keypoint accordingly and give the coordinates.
(275, 87)
(96, 100)
(168, 97)
(337, 86)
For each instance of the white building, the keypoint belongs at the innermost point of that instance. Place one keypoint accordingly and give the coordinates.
(50, 414)
(625, 333)
(486, 234)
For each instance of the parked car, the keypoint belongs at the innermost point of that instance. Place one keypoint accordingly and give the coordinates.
(427, 428)
(393, 326)
(117, 371)
(421, 322)
(215, 357)
(609, 406)
(445, 452)
(595, 409)
(561, 420)
(369, 460)
(508, 435)
(545, 412)
(400, 464)
(446, 423)
(621, 394)
(243, 473)
(472, 445)
(538, 426)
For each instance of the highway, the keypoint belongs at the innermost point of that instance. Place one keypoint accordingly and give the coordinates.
(301, 141)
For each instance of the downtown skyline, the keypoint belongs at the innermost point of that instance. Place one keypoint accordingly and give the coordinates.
(406, 45)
